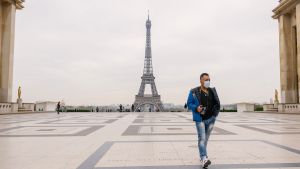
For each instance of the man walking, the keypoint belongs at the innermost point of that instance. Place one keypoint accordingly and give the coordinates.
(58, 107)
(204, 103)
(185, 106)
(121, 108)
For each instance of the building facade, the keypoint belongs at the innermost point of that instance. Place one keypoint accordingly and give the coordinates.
(288, 15)
(7, 32)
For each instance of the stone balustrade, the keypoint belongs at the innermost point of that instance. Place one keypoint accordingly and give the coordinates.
(289, 108)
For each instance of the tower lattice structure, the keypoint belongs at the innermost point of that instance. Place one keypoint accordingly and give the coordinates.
(141, 98)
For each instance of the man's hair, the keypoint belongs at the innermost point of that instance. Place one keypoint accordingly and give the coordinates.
(203, 74)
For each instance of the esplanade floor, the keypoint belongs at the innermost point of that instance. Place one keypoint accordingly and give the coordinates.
(147, 141)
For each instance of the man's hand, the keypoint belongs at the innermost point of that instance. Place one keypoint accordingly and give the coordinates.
(199, 109)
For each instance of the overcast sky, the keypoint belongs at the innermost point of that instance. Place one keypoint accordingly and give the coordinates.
(91, 52)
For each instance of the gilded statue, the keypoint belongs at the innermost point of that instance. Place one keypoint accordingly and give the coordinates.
(276, 96)
(19, 92)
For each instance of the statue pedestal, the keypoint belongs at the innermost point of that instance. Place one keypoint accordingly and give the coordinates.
(20, 103)
(276, 104)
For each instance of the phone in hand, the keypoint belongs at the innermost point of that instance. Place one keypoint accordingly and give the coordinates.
(203, 111)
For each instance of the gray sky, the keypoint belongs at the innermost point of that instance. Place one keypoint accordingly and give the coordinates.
(91, 52)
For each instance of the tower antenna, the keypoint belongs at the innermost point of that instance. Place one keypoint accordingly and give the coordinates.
(148, 14)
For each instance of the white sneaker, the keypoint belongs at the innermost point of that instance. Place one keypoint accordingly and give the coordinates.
(205, 162)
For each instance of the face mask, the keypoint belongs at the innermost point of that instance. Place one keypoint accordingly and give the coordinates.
(207, 83)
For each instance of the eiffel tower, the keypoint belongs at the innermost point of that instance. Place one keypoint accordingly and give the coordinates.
(142, 99)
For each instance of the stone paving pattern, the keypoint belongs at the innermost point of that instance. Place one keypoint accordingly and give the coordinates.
(147, 141)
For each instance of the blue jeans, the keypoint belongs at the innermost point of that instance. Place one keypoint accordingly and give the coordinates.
(204, 129)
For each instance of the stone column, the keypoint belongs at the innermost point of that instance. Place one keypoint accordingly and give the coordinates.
(288, 71)
(7, 20)
(298, 46)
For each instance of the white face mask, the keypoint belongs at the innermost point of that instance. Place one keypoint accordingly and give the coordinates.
(207, 83)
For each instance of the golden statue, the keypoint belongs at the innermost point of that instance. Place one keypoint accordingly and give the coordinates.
(19, 92)
(276, 96)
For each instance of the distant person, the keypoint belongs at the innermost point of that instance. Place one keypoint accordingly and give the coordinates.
(204, 102)
(149, 109)
(132, 108)
(121, 107)
(58, 107)
(97, 109)
(185, 106)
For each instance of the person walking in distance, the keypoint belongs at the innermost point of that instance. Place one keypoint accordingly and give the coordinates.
(121, 108)
(58, 107)
(185, 106)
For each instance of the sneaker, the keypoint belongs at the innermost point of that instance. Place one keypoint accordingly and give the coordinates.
(205, 163)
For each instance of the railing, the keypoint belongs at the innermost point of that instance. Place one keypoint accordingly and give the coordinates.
(13, 107)
(289, 108)
(5, 107)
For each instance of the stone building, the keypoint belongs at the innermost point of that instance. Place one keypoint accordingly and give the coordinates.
(288, 15)
(7, 30)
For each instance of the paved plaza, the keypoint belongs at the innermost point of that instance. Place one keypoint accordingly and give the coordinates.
(147, 141)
